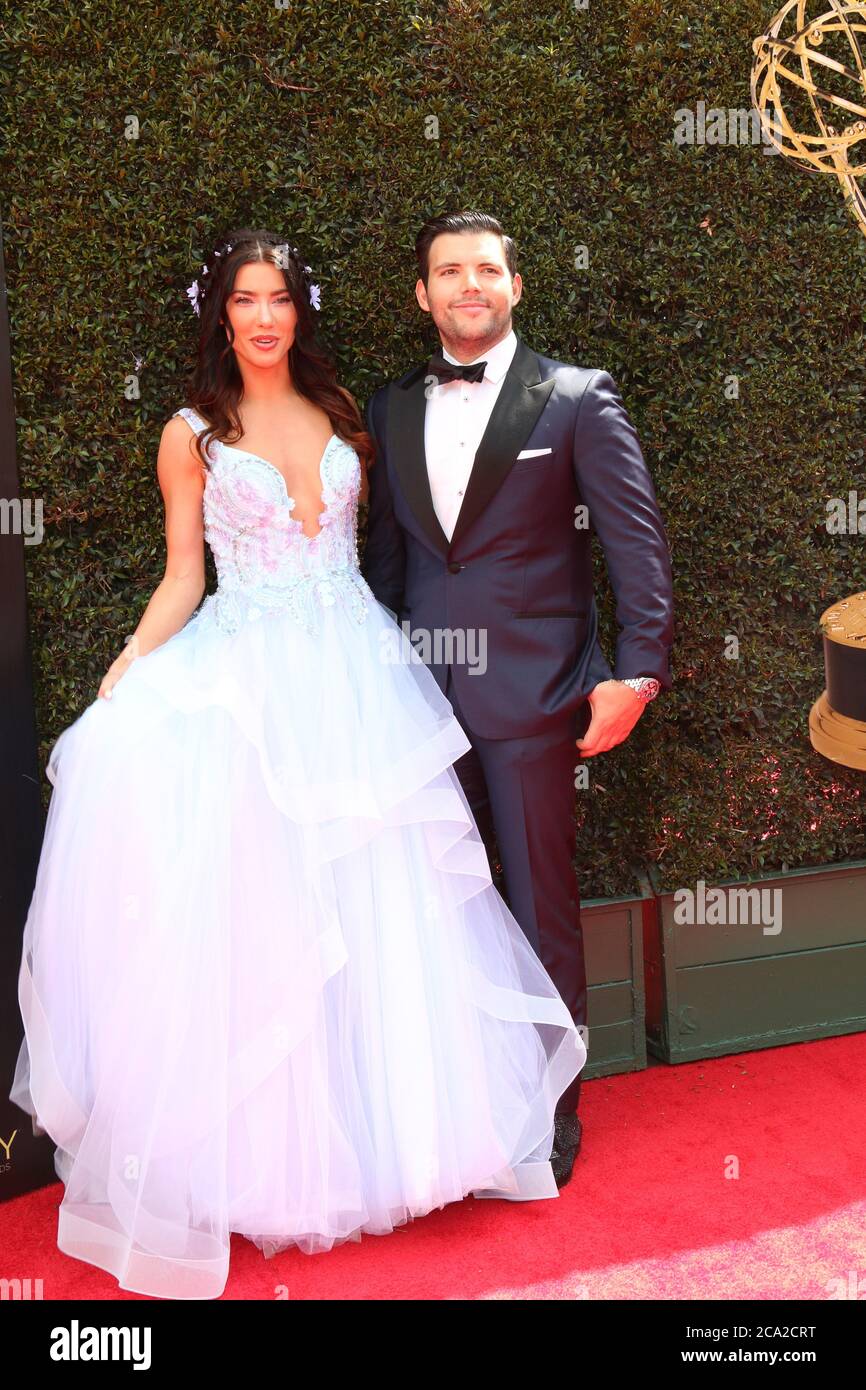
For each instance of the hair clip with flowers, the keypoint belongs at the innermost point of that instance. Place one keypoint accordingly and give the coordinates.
(195, 291)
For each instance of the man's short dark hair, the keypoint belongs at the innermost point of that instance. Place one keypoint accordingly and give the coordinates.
(461, 222)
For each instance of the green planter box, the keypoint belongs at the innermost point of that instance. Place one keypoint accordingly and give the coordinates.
(616, 1007)
(714, 989)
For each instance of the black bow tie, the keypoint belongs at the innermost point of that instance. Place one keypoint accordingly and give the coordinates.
(454, 371)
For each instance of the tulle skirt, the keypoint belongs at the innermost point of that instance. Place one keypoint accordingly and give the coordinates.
(267, 984)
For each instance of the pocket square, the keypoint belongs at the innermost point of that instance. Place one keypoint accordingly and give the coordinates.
(533, 453)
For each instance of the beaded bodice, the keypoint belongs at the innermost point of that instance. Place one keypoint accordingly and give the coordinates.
(264, 559)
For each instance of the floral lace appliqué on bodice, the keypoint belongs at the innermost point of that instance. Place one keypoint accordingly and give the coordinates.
(264, 559)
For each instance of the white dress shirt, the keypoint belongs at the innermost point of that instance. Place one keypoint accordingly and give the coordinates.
(455, 419)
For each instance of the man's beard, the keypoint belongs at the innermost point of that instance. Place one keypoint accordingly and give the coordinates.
(466, 333)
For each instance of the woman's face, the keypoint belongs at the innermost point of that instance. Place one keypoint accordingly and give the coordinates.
(262, 315)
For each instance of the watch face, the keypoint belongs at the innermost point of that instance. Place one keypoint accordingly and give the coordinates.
(647, 687)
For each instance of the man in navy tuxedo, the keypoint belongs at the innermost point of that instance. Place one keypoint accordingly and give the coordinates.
(494, 465)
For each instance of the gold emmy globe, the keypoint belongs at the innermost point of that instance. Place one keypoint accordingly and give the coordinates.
(809, 66)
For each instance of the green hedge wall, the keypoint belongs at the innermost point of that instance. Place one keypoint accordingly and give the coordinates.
(704, 262)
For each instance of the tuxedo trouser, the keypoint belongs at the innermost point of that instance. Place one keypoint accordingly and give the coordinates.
(522, 790)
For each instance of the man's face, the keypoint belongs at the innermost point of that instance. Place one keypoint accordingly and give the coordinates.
(469, 291)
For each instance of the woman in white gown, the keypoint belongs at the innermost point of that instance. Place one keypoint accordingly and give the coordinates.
(267, 984)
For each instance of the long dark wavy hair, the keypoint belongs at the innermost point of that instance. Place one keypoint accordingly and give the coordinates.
(215, 386)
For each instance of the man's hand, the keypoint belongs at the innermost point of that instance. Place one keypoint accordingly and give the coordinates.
(616, 708)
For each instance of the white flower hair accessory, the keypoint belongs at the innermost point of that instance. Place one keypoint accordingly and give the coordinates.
(195, 291)
(315, 291)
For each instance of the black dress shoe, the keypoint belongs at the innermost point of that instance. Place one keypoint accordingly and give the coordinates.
(567, 1133)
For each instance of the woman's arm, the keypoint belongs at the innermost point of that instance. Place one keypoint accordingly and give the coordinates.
(181, 479)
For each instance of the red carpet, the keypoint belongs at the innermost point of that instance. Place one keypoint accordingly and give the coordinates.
(652, 1210)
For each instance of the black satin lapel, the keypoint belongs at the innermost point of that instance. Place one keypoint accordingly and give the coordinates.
(407, 405)
(520, 402)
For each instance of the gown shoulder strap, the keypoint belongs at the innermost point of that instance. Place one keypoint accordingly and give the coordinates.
(192, 417)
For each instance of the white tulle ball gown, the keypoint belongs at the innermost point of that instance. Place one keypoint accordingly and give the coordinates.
(267, 984)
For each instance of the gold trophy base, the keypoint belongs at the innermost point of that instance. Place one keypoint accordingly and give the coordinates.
(837, 737)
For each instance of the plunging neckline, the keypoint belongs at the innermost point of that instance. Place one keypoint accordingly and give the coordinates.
(325, 506)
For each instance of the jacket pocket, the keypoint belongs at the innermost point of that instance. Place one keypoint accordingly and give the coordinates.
(534, 462)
